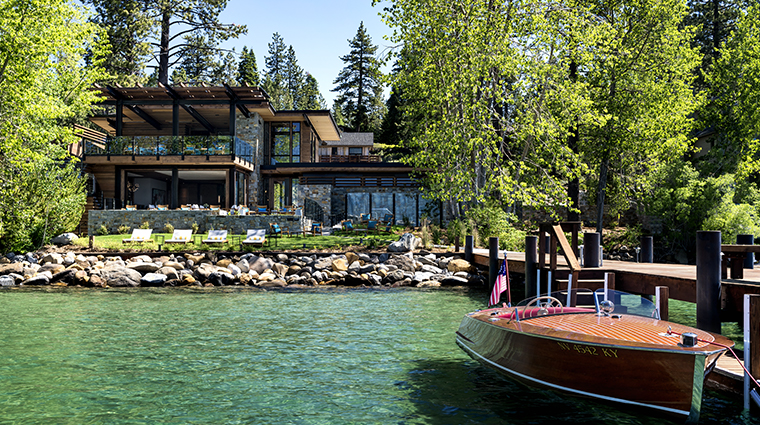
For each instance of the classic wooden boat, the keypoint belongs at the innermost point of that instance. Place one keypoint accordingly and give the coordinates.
(614, 349)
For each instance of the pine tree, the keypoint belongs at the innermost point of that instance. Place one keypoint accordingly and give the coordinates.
(294, 78)
(274, 74)
(248, 71)
(358, 83)
(311, 98)
(197, 65)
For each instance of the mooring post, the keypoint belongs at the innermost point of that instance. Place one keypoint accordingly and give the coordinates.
(708, 281)
(749, 260)
(531, 263)
(661, 295)
(468, 247)
(647, 249)
(493, 259)
(91, 237)
(591, 243)
(456, 244)
(751, 342)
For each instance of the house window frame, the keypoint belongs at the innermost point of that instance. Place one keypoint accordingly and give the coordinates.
(293, 139)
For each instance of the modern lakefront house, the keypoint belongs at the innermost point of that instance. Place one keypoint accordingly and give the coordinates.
(183, 148)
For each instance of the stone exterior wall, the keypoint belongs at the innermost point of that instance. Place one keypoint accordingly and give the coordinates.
(206, 220)
(251, 130)
(316, 202)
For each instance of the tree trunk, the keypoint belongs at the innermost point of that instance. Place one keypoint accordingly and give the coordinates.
(600, 194)
(163, 52)
(716, 28)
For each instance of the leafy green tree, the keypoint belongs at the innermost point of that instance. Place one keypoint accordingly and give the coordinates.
(734, 113)
(487, 99)
(359, 83)
(248, 71)
(43, 90)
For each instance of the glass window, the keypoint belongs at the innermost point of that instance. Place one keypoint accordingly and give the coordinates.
(354, 151)
(286, 142)
(357, 204)
(382, 204)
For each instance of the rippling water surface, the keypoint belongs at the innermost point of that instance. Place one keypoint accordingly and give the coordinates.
(318, 357)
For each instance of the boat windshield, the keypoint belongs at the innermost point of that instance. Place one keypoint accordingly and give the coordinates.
(601, 301)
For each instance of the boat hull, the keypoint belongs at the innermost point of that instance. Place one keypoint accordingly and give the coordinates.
(666, 380)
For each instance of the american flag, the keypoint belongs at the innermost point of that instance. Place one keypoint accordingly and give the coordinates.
(501, 284)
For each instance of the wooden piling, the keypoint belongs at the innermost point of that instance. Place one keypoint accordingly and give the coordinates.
(647, 249)
(591, 243)
(493, 260)
(708, 281)
(751, 342)
(531, 263)
(662, 294)
(468, 248)
(749, 260)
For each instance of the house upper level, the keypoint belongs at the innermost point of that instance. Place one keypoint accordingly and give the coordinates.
(221, 124)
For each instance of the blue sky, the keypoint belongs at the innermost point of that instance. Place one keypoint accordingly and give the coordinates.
(318, 31)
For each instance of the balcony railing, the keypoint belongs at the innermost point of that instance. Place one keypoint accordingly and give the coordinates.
(170, 145)
(350, 158)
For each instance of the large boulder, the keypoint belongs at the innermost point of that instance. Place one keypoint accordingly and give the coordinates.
(121, 277)
(407, 242)
(459, 265)
(402, 262)
(64, 239)
(144, 268)
(260, 264)
(7, 281)
(153, 279)
(37, 281)
(17, 268)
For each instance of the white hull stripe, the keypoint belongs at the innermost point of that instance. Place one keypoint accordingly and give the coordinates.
(571, 390)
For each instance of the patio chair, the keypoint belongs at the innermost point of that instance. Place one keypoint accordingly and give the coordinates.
(372, 226)
(185, 207)
(213, 207)
(276, 231)
(216, 237)
(139, 236)
(182, 236)
(387, 219)
(347, 226)
(131, 208)
(256, 237)
(316, 229)
(162, 207)
(262, 209)
(363, 218)
(387, 228)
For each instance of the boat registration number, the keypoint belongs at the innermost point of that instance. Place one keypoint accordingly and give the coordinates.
(588, 349)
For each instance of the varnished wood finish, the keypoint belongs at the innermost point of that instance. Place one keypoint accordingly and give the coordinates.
(629, 360)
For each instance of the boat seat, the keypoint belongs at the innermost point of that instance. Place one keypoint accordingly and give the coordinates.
(533, 312)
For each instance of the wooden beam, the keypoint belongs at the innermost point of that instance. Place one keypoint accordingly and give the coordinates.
(139, 112)
(567, 250)
(190, 110)
(234, 97)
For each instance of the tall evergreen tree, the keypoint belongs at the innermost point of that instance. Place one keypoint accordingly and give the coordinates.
(169, 23)
(274, 82)
(359, 85)
(197, 64)
(294, 78)
(310, 97)
(128, 28)
(248, 71)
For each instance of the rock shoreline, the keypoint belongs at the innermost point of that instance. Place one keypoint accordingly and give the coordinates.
(421, 269)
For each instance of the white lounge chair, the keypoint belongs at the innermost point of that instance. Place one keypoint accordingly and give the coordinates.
(255, 237)
(181, 236)
(139, 236)
(216, 236)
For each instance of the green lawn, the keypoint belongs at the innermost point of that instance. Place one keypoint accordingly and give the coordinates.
(338, 240)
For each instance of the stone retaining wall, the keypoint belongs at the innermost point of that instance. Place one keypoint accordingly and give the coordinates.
(206, 220)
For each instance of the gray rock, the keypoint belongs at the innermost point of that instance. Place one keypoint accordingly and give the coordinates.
(276, 283)
(374, 279)
(153, 279)
(426, 260)
(367, 268)
(7, 281)
(53, 257)
(422, 276)
(243, 265)
(323, 263)
(282, 258)
(30, 258)
(454, 281)
(355, 267)
(234, 270)
(280, 269)
(51, 267)
(144, 268)
(383, 257)
(221, 279)
(430, 269)
(407, 242)
(169, 272)
(66, 276)
(38, 280)
(393, 277)
(121, 277)
(402, 262)
(260, 264)
(403, 282)
(64, 239)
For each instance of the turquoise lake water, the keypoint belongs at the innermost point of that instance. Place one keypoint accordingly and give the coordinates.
(241, 357)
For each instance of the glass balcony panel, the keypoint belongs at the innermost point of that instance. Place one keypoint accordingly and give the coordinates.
(146, 145)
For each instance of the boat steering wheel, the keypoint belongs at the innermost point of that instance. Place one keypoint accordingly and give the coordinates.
(543, 308)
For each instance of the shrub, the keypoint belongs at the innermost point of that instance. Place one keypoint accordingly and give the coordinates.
(435, 234)
(490, 220)
(168, 228)
(427, 242)
(102, 230)
(454, 230)
(123, 229)
(145, 225)
(195, 227)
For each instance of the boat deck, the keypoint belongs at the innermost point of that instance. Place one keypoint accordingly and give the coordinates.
(626, 328)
